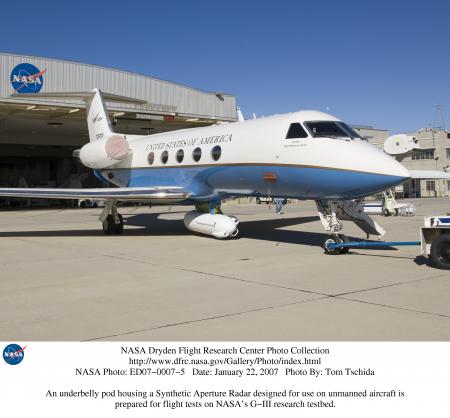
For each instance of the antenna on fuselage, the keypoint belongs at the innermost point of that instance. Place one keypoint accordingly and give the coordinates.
(240, 116)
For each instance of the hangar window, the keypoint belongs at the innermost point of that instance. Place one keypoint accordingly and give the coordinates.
(180, 155)
(164, 157)
(216, 152)
(197, 154)
(151, 157)
(427, 154)
(296, 131)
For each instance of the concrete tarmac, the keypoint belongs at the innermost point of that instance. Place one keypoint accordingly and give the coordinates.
(63, 280)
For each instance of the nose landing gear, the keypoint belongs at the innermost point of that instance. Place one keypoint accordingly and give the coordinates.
(330, 213)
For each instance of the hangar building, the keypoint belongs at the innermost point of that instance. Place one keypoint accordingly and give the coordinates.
(434, 157)
(38, 136)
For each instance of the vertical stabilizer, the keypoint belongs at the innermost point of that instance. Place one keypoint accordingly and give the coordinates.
(99, 125)
(98, 122)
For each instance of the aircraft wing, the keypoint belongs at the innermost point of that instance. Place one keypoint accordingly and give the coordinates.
(150, 194)
(429, 174)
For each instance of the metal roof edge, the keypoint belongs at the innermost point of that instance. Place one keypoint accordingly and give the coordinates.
(117, 70)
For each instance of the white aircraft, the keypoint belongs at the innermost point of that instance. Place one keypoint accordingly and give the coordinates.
(301, 155)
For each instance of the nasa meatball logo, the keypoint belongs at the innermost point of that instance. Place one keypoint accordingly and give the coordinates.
(26, 78)
(13, 354)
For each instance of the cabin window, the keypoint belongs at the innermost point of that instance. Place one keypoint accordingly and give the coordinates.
(296, 131)
(164, 157)
(197, 154)
(216, 152)
(151, 157)
(180, 155)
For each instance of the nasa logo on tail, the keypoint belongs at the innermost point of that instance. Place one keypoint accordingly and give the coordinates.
(97, 118)
(26, 78)
(13, 354)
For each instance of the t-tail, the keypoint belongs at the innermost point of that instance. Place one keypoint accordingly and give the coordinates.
(105, 148)
(98, 122)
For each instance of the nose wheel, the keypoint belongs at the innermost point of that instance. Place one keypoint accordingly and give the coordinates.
(335, 239)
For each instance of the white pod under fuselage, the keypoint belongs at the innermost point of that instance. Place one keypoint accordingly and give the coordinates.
(218, 226)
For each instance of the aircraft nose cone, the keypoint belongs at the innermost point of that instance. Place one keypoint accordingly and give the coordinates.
(383, 171)
(397, 169)
(390, 172)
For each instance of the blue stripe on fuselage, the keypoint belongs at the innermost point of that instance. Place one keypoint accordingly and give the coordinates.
(223, 181)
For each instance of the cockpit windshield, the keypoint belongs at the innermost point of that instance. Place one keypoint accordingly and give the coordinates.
(330, 129)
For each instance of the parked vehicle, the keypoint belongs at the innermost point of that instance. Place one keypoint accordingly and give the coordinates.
(87, 203)
(266, 200)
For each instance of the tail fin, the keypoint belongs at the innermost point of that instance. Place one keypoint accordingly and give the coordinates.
(98, 122)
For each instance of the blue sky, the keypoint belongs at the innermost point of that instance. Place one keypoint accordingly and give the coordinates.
(382, 63)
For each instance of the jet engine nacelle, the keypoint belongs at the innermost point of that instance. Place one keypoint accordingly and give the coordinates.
(219, 226)
(105, 152)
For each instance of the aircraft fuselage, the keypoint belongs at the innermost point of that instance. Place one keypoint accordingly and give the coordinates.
(257, 158)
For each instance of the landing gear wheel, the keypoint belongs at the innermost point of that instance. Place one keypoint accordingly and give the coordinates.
(118, 228)
(108, 225)
(334, 240)
(440, 252)
(329, 251)
(344, 238)
(258, 201)
(386, 212)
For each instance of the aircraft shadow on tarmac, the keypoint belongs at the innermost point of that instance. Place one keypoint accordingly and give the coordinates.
(151, 224)
(267, 229)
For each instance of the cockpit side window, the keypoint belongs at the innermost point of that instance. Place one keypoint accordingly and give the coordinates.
(296, 131)
(350, 130)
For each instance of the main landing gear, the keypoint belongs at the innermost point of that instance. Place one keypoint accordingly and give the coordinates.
(112, 221)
